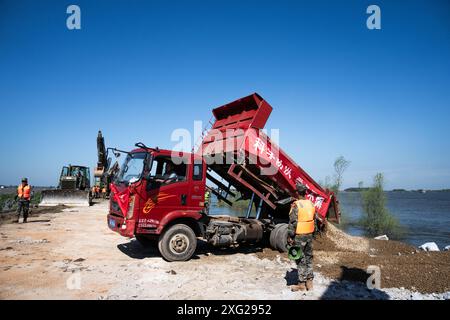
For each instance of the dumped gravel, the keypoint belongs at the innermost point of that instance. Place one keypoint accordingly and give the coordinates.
(345, 242)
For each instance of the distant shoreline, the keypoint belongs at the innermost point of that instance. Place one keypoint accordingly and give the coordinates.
(2, 186)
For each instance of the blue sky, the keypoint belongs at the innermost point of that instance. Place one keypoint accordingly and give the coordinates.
(138, 70)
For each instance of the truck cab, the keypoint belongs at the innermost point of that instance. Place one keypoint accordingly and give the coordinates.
(156, 189)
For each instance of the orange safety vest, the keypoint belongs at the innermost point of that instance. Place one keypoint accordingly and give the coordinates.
(305, 217)
(24, 192)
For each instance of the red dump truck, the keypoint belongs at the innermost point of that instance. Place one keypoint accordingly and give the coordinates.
(159, 195)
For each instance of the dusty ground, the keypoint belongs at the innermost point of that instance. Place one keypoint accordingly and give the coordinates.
(73, 255)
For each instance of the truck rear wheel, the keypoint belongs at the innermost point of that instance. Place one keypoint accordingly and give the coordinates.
(273, 236)
(178, 243)
(281, 239)
(278, 237)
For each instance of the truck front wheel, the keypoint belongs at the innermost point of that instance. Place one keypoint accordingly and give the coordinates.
(281, 241)
(274, 236)
(177, 243)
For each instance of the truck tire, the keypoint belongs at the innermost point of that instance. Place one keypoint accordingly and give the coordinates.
(177, 243)
(146, 242)
(273, 237)
(281, 237)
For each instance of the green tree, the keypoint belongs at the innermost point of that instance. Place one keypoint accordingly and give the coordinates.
(360, 185)
(376, 218)
(340, 165)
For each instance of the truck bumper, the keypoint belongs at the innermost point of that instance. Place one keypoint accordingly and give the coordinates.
(123, 227)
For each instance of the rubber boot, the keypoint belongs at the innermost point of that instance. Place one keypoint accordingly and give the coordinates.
(298, 287)
(309, 284)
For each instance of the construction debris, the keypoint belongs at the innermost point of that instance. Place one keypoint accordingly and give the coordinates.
(429, 246)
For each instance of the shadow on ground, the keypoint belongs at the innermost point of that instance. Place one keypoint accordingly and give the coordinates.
(291, 277)
(351, 285)
(37, 221)
(136, 250)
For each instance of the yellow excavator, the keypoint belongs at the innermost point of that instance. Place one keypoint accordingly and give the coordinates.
(104, 173)
(74, 186)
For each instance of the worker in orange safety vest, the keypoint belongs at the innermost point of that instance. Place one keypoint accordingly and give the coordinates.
(23, 197)
(300, 234)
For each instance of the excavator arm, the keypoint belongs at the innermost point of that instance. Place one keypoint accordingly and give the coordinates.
(102, 163)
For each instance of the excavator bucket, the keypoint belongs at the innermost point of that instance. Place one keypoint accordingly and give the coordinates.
(78, 198)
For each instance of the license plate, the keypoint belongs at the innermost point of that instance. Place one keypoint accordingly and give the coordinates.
(112, 223)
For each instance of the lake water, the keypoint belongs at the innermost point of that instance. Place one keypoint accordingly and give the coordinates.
(424, 216)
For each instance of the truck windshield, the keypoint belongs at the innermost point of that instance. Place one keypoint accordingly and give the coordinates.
(132, 168)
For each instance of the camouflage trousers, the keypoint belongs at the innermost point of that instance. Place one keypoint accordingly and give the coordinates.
(305, 263)
(23, 206)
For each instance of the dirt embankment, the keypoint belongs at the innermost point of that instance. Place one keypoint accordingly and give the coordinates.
(73, 255)
(11, 215)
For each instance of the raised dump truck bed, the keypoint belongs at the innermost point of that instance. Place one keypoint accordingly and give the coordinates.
(239, 152)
